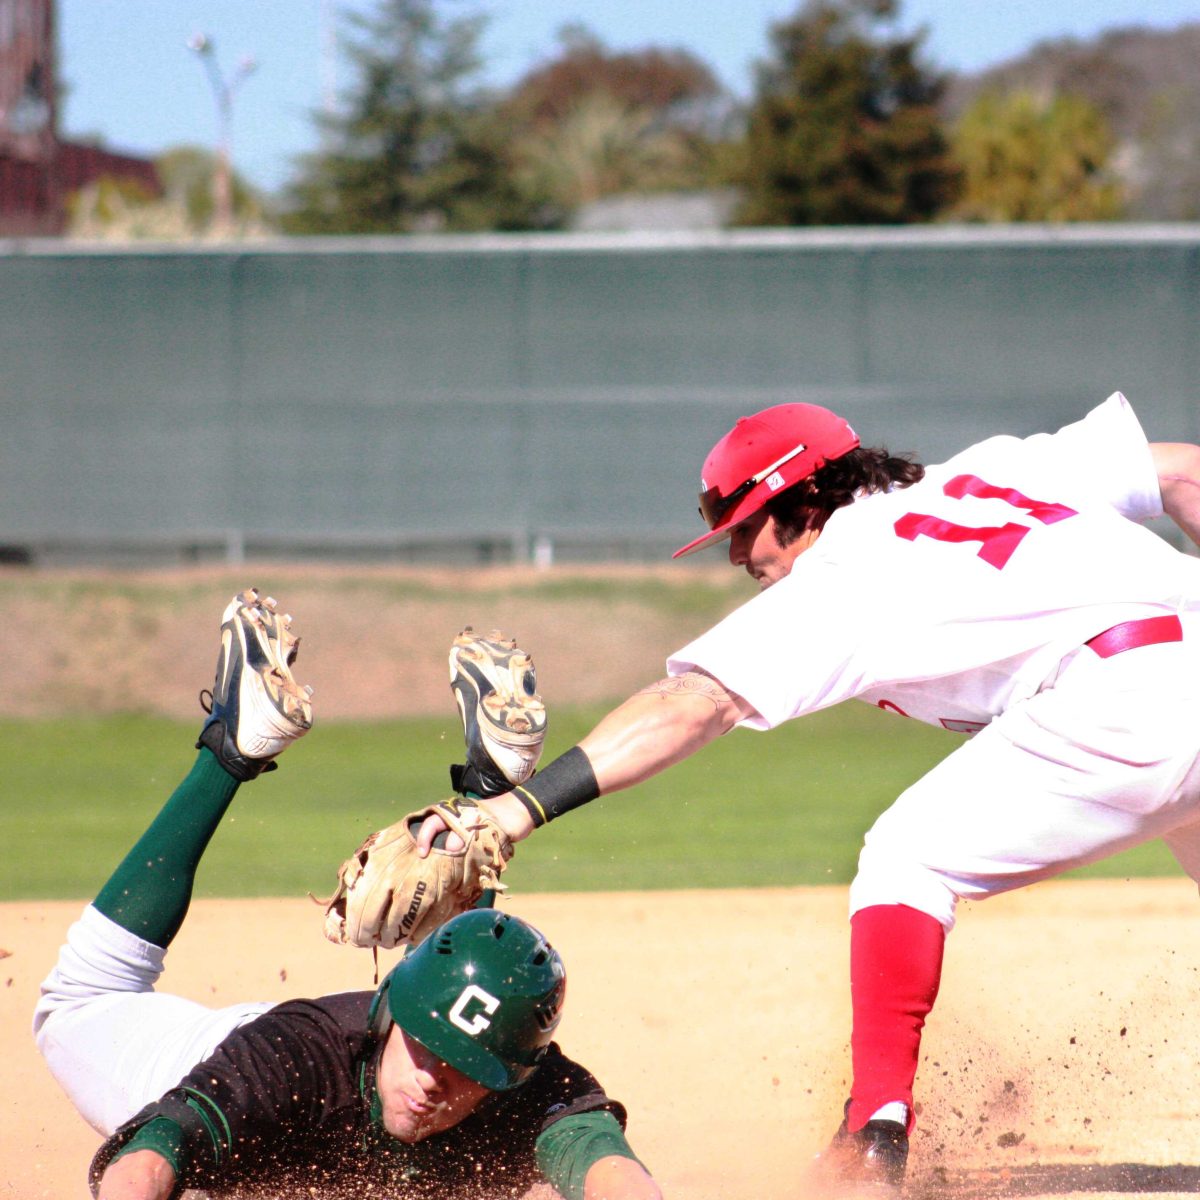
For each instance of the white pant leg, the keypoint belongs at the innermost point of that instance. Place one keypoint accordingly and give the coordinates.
(1103, 760)
(111, 1041)
(1185, 845)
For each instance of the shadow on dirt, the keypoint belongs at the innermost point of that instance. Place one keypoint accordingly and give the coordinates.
(1054, 1179)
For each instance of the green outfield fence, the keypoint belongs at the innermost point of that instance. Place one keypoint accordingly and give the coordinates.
(496, 398)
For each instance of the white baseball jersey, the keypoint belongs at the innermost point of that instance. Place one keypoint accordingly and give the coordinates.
(951, 600)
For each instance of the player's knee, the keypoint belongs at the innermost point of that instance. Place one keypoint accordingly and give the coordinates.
(887, 876)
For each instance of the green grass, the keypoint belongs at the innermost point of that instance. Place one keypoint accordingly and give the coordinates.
(783, 808)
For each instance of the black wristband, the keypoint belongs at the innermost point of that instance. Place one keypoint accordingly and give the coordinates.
(568, 782)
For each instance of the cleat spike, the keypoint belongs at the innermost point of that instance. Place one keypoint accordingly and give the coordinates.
(504, 719)
(257, 709)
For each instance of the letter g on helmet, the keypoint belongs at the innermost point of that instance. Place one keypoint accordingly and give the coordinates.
(484, 992)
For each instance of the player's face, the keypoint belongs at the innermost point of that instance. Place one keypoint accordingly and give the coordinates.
(753, 545)
(420, 1094)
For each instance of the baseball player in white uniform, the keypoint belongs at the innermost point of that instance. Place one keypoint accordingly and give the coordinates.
(1011, 594)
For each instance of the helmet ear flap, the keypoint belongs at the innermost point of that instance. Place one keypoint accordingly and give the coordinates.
(379, 1015)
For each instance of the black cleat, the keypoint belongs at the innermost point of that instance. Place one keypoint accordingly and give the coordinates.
(504, 719)
(871, 1161)
(256, 708)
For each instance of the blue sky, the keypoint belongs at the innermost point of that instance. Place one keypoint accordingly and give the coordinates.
(131, 79)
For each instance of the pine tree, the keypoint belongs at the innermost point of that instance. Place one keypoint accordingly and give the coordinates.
(417, 146)
(843, 127)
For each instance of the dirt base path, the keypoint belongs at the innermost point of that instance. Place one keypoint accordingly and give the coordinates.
(1062, 1057)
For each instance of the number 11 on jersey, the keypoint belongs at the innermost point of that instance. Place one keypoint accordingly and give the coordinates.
(997, 543)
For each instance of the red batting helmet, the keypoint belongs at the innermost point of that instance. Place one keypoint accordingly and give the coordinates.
(759, 457)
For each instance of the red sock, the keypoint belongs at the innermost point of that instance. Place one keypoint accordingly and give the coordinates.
(895, 969)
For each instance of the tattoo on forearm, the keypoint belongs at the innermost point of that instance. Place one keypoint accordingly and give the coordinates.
(692, 684)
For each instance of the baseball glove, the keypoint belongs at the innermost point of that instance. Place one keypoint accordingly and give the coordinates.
(388, 896)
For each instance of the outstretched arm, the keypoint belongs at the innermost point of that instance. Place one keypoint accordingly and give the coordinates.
(138, 1175)
(655, 728)
(1178, 467)
(659, 726)
(618, 1178)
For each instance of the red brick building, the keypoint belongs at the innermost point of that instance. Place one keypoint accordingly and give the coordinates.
(37, 170)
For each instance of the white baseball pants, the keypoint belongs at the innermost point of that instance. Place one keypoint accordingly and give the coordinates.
(112, 1042)
(1103, 759)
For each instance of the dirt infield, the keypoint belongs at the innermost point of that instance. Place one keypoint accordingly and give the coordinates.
(1062, 1057)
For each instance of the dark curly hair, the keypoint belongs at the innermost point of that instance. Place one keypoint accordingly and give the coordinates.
(809, 504)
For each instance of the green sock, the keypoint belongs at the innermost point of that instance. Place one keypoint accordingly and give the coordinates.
(149, 893)
(488, 899)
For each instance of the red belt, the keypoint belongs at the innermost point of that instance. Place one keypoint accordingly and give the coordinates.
(1129, 635)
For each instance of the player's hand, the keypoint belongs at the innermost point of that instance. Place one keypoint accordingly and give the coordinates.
(509, 812)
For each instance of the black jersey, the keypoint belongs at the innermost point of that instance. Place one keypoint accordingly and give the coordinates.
(286, 1106)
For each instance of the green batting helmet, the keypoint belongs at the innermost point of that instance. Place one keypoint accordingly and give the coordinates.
(484, 992)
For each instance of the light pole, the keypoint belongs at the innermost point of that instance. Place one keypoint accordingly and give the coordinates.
(224, 91)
